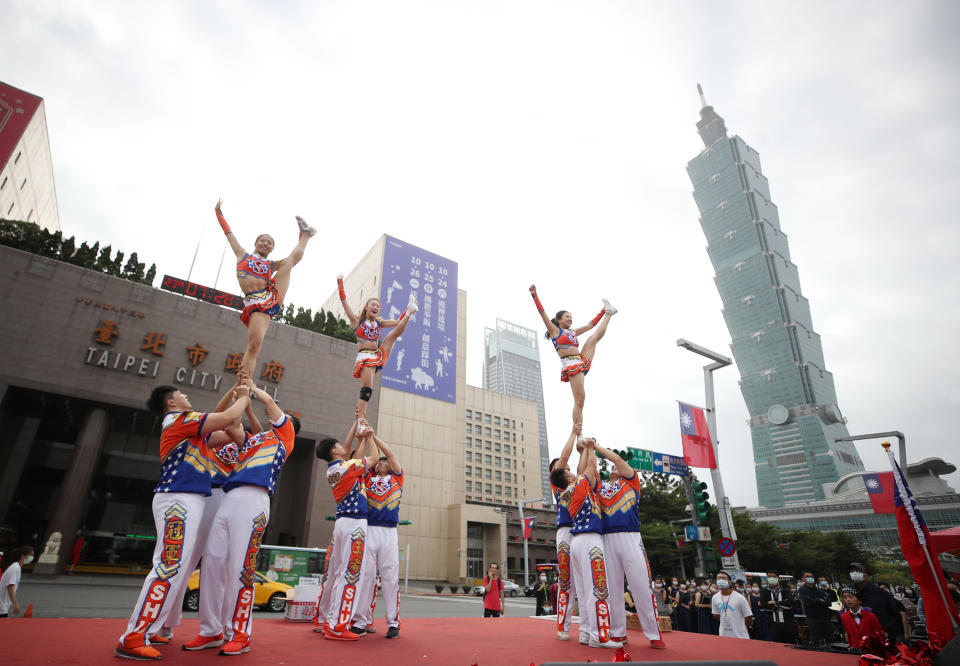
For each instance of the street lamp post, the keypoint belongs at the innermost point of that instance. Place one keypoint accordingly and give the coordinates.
(901, 439)
(719, 361)
(523, 531)
(683, 569)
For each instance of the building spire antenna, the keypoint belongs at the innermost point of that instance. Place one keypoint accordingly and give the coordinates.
(703, 100)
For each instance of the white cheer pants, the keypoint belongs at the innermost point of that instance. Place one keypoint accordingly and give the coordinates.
(347, 573)
(210, 586)
(590, 580)
(566, 590)
(624, 555)
(383, 554)
(177, 517)
(235, 539)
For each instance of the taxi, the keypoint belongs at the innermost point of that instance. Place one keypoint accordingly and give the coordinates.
(266, 593)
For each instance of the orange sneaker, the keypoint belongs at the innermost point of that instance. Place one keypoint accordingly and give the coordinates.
(157, 639)
(335, 635)
(235, 647)
(201, 642)
(658, 644)
(142, 653)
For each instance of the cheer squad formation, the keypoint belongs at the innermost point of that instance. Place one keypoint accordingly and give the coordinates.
(218, 473)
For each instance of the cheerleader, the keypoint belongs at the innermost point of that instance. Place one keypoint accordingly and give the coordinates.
(372, 352)
(574, 361)
(264, 283)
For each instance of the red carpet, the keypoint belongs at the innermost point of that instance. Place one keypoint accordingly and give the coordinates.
(446, 641)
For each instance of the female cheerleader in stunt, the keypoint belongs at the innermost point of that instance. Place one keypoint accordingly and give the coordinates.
(372, 353)
(575, 362)
(264, 283)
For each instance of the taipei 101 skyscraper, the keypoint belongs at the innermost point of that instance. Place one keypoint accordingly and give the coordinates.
(794, 417)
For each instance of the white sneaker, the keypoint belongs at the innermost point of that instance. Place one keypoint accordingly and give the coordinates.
(412, 307)
(563, 635)
(609, 309)
(304, 227)
(360, 428)
(584, 638)
(606, 644)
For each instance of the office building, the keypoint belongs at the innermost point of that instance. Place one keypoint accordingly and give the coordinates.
(27, 191)
(789, 393)
(511, 365)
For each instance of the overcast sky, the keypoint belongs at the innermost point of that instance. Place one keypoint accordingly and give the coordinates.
(540, 142)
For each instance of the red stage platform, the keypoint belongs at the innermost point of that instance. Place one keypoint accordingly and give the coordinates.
(446, 641)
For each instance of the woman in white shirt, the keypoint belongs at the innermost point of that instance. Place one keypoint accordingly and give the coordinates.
(731, 609)
(10, 580)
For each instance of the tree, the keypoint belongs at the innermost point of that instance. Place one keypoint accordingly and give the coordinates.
(67, 249)
(133, 270)
(103, 261)
(116, 265)
(151, 274)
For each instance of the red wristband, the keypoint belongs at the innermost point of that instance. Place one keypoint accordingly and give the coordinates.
(539, 304)
(343, 294)
(223, 221)
(596, 320)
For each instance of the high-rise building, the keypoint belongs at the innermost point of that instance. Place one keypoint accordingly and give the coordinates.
(511, 365)
(794, 417)
(27, 191)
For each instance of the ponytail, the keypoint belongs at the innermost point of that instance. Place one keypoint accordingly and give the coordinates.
(556, 322)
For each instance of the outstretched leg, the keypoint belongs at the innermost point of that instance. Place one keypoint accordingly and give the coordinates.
(398, 330)
(590, 346)
(579, 396)
(257, 330)
(281, 278)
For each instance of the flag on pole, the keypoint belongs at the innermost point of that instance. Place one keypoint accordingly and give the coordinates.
(528, 527)
(695, 435)
(880, 491)
(939, 609)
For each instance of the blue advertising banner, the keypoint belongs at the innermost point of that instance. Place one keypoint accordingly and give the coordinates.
(424, 358)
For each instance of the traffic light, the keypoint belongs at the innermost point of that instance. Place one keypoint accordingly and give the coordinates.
(701, 505)
(626, 454)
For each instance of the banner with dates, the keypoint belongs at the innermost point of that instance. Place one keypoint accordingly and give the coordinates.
(424, 359)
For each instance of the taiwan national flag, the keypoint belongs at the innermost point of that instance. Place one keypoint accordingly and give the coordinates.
(880, 491)
(697, 446)
(914, 540)
(527, 527)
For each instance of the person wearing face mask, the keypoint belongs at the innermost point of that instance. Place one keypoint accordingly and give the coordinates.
(701, 602)
(10, 581)
(881, 602)
(816, 606)
(664, 607)
(674, 595)
(685, 600)
(540, 592)
(777, 605)
(761, 629)
(731, 609)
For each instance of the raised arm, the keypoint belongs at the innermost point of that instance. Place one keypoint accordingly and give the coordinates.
(590, 455)
(231, 239)
(623, 469)
(568, 447)
(351, 435)
(385, 450)
(274, 413)
(551, 327)
(369, 460)
(220, 420)
(255, 426)
(343, 301)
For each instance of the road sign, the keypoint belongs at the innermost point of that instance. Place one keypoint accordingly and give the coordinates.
(727, 547)
(703, 534)
(691, 532)
(727, 562)
(667, 464)
(642, 460)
